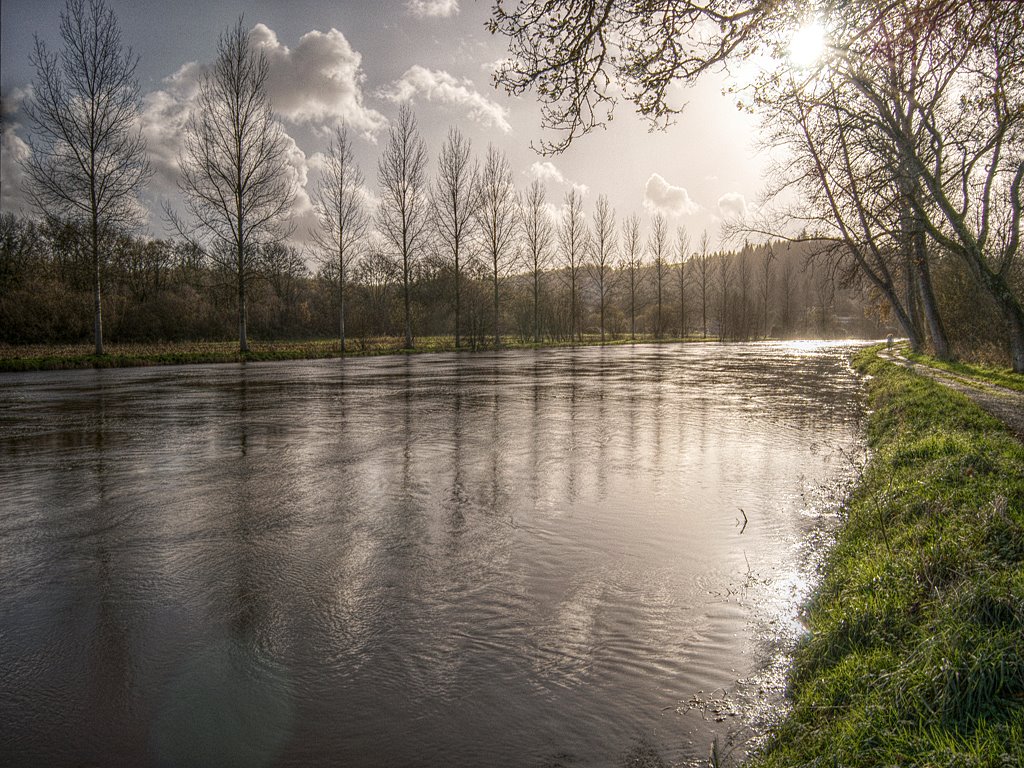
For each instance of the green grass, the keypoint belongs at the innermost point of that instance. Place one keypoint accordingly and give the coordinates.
(1003, 377)
(915, 654)
(55, 357)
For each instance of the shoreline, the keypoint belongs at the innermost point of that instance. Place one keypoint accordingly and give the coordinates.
(914, 649)
(43, 357)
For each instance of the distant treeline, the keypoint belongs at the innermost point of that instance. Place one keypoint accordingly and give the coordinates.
(171, 290)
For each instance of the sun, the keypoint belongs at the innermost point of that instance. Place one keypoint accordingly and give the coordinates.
(807, 45)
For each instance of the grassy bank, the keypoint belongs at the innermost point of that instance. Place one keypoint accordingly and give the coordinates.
(1003, 377)
(916, 648)
(55, 357)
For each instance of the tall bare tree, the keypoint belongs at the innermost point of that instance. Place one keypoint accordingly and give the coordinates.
(724, 269)
(603, 248)
(402, 216)
(657, 245)
(88, 158)
(573, 242)
(235, 177)
(683, 251)
(703, 279)
(497, 214)
(632, 262)
(538, 236)
(765, 284)
(340, 203)
(454, 202)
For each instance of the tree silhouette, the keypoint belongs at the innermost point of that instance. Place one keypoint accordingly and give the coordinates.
(235, 179)
(88, 158)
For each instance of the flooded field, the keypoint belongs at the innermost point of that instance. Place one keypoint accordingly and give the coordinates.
(573, 557)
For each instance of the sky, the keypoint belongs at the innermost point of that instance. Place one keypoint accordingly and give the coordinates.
(358, 62)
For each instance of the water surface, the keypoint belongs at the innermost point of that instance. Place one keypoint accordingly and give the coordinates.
(505, 559)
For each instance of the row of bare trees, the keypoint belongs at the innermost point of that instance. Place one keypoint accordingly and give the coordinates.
(905, 140)
(88, 164)
(170, 290)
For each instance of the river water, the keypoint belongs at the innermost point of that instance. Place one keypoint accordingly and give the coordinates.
(503, 559)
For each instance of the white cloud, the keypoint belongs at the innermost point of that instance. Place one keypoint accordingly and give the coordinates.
(13, 152)
(491, 67)
(435, 8)
(438, 85)
(546, 171)
(319, 81)
(662, 197)
(732, 205)
(164, 114)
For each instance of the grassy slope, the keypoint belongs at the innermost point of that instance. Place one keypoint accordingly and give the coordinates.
(1004, 377)
(916, 649)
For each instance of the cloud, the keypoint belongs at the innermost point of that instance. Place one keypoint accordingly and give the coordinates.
(434, 8)
(732, 205)
(438, 85)
(546, 171)
(662, 197)
(13, 152)
(319, 82)
(164, 114)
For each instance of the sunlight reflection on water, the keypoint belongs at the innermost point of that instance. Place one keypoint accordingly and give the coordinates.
(514, 558)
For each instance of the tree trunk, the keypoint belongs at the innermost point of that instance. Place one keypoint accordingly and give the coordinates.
(405, 299)
(536, 305)
(929, 305)
(1017, 343)
(341, 303)
(243, 339)
(458, 338)
(97, 296)
(632, 309)
(572, 309)
(497, 332)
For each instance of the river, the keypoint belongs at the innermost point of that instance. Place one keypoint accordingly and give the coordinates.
(571, 557)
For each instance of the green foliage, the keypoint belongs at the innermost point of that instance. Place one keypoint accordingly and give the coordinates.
(916, 648)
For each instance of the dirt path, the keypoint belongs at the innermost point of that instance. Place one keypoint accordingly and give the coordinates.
(1007, 405)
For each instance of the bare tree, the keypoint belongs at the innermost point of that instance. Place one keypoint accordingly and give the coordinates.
(538, 236)
(402, 215)
(703, 279)
(235, 178)
(743, 271)
(497, 215)
(765, 284)
(603, 247)
(682, 249)
(579, 57)
(573, 242)
(88, 158)
(340, 203)
(454, 203)
(657, 245)
(632, 262)
(724, 270)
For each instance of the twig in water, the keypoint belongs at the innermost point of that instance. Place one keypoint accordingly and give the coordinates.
(744, 520)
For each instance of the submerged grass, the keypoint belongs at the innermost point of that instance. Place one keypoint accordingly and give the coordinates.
(56, 357)
(915, 654)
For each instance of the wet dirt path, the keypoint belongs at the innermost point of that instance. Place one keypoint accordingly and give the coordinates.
(1007, 405)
